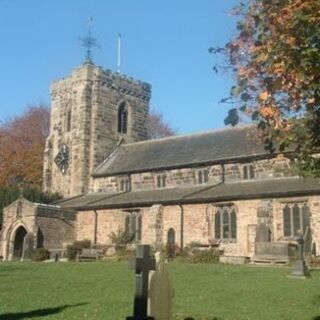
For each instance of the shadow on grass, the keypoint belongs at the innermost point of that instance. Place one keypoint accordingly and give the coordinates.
(190, 318)
(38, 313)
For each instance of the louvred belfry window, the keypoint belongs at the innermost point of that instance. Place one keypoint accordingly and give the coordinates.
(122, 119)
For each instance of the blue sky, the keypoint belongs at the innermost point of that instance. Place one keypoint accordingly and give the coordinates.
(164, 42)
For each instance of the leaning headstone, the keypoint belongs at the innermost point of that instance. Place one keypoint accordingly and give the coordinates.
(161, 293)
(158, 257)
(307, 242)
(300, 270)
(142, 264)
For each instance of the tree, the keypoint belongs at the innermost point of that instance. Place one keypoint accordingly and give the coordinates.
(275, 57)
(157, 127)
(22, 141)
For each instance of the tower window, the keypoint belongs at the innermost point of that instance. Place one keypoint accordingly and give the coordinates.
(122, 119)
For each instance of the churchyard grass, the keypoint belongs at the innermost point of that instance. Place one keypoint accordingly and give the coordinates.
(104, 291)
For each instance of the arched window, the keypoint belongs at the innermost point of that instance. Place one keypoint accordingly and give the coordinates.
(225, 223)
(122, 118)
(296, 219)
(133, 226)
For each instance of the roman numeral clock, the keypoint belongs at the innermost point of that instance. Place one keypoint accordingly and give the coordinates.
(62, 158)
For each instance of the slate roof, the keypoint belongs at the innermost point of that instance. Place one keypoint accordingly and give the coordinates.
(254, 189)
(183, 151)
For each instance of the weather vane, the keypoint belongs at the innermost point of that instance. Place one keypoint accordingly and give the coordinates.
(89, 43)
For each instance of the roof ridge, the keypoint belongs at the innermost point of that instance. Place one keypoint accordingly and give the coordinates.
(181, 136)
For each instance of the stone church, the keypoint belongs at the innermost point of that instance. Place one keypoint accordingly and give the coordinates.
(216, 189)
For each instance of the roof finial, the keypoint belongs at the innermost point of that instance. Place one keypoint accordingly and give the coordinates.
(89, 42)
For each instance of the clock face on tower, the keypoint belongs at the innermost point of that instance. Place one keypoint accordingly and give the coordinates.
(62, 158)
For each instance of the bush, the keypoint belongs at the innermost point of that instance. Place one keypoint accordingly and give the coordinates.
(313, 262)
(204, 256)
(40, 254)
(121, 237)
(121, 255)
(74, 249)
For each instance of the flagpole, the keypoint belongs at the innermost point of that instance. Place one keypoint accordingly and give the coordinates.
(119, 54)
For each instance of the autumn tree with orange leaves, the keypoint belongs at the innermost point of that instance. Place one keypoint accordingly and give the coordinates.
(22, 141)
(276, 61)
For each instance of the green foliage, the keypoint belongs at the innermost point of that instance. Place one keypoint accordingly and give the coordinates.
(121, 254)
(33, 194)
(204, 256)
(40, 254)
(121, 237)
(275, 59)
(74, 249)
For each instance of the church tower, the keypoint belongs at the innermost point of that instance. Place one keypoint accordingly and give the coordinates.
(92, 111)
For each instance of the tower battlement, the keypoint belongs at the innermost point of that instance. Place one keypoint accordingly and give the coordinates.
(105, 77)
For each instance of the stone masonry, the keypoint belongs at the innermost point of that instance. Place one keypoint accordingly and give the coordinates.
(84, 118)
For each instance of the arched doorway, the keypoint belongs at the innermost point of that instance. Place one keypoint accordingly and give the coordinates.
(18, 243)
(171, 243)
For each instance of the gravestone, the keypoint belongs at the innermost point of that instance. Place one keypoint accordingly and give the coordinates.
(171, 243)
(142, 264)
(266, 251)
(161, 293)
(263, 231)
(28, 246)
(307, 242)
(300, 270)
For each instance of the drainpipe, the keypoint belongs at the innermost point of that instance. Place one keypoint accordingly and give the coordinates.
(223, 178)
(95, 227)
(181, 227)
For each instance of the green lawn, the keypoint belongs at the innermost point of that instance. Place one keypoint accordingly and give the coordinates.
(104, 291)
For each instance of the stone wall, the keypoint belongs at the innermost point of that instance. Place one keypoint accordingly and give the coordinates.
(231, 172)
(57, 227)
(195, 223)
